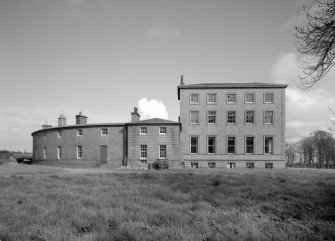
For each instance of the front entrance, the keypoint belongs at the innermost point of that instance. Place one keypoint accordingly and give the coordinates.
(103, 154)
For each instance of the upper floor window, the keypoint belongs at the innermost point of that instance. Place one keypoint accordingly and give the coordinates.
(231, 98)
(211, 119)
(194, 145)
(250, 117)
(194, 98)
(211, 99)
(249, 97)
(211, 145)
(59, 133)
(268, 117)
(268, 97)
(231, 117)
(79, 132)
(104, 131)
(143, 130)
(162, 130)
(194, 117)
(162, 151)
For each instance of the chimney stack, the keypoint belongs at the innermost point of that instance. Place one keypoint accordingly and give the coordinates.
(182, 80)
(81, 119)
(62, 120)
(135, 116)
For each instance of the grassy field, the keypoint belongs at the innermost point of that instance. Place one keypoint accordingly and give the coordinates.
(49, 203)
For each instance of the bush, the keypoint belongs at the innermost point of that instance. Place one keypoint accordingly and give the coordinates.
(160, 164)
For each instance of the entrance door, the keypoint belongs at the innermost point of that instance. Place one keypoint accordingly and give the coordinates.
(103, 154)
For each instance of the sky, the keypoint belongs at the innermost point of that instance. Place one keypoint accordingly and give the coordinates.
(104, 57)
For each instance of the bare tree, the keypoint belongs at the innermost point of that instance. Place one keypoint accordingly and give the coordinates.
(306, 148)
(324, 147)
(316, 41)
(290, 153)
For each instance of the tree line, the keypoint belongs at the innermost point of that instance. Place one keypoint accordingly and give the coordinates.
(316, 150)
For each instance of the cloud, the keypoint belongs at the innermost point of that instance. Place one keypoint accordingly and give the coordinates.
(152, 109)
(306, 110)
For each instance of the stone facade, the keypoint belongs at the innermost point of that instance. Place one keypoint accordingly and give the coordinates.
(220, 107)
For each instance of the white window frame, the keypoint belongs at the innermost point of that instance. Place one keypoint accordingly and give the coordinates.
(270, 146)
(231, 165)
(214, 146)
(265, 97)
(161, 132)
(211, 164)
(211, 117)
(196, 115)
(253, 145)
(143, 152)
(59, 152)
(79, 152)
(246, 117)
(143, 130)
(246, 98)
(208, 98)
(197, 146)
(235, 98)
(79, 132)
(266, 121)
(191, 99)
(229, 145)
(162, 152)
(228, 116)
(104, 131)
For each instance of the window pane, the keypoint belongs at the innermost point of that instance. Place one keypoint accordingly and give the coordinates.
(249, 117)
(194, 117)
(231, 98)
(250, 145)
(194, 145)
(231, 145)
(268, 142)
(231, 117)
(211, 145)
(212, 98)
(162, 151)
(194, 98)
(268, 117)
(143, 154)
(249, 97)
(268, 97)
(211, 117)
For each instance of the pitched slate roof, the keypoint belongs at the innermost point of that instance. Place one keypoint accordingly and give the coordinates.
(230, 86)
(153, 121)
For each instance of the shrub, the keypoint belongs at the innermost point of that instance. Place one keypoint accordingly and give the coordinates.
(160, 164)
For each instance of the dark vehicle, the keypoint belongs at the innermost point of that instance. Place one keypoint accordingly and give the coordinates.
(24, 158)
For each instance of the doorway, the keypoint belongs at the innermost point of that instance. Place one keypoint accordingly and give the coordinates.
(103, 154)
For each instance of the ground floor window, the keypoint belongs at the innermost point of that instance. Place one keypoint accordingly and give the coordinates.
(194, 145)
(250, 165)
(211, 145)
(143, 161)
(249, 145)
(162, 151)
(268, 143)
(79, 152)
(143, 154)
(194, 164)
(59, 152)
(231, 145)
(231, 165)
(211, 164)
(269, 165)
(44, 153)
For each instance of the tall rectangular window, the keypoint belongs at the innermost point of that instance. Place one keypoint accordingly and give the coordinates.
(268, 117)
(104, 131)
(268, 145)
(44, 153)
(250, 117)
(249, 98)
(59, 152)
(162, 151)
(249, 145)
(231, 98)
(211, 145)
(194, 117)
(194, 145)
(211, 118)
(194, 98)
(79, 132)
(211, 99)
(268, 97)
(79, 152)
(143, 130)
(231, 117)
(59, 133)
(162, 130)
(231, 145)
(143, 154)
